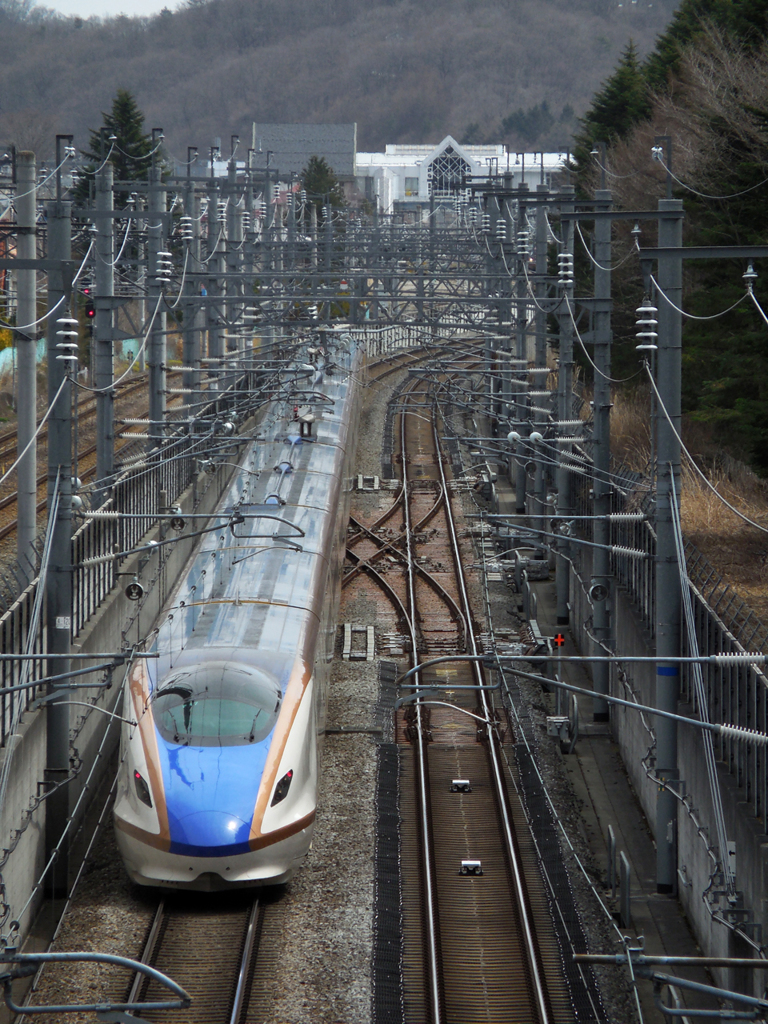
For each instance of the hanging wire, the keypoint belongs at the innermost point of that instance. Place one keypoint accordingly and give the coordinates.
(691, 316)
(701, 697)
(40, 426)
(104, 162)
(26, 327)
(692, 461)
(612, 380)
(632, 252)
(32, 631)
(703, 195)
(183, 278)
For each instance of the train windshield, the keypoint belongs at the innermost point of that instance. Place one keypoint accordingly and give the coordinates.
(216, 704)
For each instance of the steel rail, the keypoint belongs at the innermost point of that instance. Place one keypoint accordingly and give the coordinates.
(433, 961)
(388, 590)
(539, 990)
(363, 564)
(244, 972)
(149, 948)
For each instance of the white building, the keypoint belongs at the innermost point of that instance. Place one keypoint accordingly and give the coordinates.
(404, 177)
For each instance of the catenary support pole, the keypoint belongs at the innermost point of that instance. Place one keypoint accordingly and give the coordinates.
(213, 308)
(58, 583)
(190, 307)
(103, 330)
(564, 409)
(156, 284)
(668, 597)
(26, 353)
(601, 451)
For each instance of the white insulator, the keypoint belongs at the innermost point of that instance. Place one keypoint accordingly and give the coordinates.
(485, 223)
(303, 195)
(739, 658)
(473, 215)
(102, 515)
(627, 517)
(246, 221)
(275, 191)
(263, 208)
(501, 230)
(735, 732)
(628, 552)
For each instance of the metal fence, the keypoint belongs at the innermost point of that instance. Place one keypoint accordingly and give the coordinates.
(139, 491)
(724, 623)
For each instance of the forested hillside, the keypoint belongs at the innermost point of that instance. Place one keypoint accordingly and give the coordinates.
(706, 86)
(404, 70)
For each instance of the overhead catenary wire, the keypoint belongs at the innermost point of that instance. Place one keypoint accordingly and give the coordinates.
(693, 463)
(633, 251)
(595, 367)
(692, 316)
(52, 310)
(703, 195)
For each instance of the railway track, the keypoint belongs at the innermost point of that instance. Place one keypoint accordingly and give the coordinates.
(478, 943)
(210, 943)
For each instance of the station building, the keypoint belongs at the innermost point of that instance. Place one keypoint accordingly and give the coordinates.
(404, 178)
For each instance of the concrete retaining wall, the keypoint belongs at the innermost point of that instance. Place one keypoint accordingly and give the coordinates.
(694, 863)
(118, 623)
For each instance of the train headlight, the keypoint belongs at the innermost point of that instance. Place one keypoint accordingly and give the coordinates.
(281, 789)
(142, 789)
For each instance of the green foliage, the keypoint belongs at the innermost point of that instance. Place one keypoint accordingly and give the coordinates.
(745, 21)
(726, 360)
(528, 125)
(130, 147)
(622, 101)
(321, 183)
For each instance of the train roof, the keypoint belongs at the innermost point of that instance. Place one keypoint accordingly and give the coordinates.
(259, 582)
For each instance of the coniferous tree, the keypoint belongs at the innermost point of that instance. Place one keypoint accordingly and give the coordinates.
(123, 138)
(744, 21)
(621, 102)
(321, 184)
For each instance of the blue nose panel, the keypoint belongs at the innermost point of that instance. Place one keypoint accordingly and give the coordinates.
(209, 834)
(210, 795)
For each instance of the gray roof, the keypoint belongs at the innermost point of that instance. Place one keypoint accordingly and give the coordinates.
(292, 145)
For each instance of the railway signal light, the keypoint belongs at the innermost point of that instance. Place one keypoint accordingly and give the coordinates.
(90, 309)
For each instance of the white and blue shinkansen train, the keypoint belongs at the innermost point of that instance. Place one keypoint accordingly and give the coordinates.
(218, 782)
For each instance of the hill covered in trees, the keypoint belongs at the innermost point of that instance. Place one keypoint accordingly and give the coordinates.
(404, 70)
(705, 85)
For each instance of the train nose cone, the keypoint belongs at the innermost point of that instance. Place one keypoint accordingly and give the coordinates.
(210, 834)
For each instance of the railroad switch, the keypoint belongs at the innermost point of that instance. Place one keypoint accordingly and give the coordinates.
(461, 786)
(471, 867)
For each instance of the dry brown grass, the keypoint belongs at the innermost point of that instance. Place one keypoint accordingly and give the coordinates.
(738, 551)
(631, 429)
